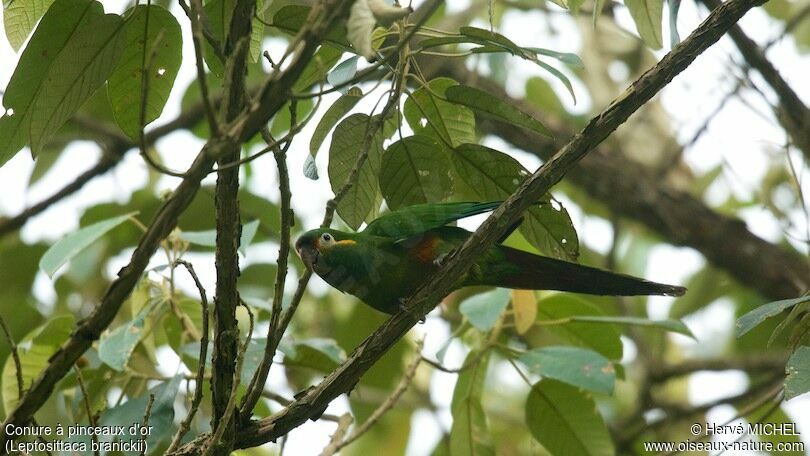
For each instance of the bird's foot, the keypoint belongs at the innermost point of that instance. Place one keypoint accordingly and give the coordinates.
(440, 259)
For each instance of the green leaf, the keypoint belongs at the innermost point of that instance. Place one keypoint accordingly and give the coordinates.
(115, 347)
(414, 171)
(565, 420)
(565, 57)
(647, 14)
(161, 416)
(219, 14)
(484, 309)
(496, 39)
(798, 373)
(317, 70)
(493, 175)
(753, 318)
(160, 47)
(73, 50)
(315, 353)
(343, 72)
(291, 18)
(493, 106)
(339, 108)
(428, 114)
(576, 366)
(69, 246)
(19, 18)
(676, 326)
(358, 202)
(601, 338)
(470, 433)
(42, 343)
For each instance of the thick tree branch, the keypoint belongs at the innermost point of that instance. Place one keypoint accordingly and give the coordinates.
(229, 229)
(792, 113)
(88, 330)
(364, 356)
(773, 362)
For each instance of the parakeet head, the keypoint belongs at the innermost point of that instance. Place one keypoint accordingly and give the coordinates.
(314, 244)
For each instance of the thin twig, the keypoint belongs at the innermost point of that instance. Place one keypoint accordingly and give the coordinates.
(185, 425)
(225, 421)
(145, 422)
(15, 355)
(195, 15)
(91, 418)
(256, 385)
(390, 401)
(334, 445)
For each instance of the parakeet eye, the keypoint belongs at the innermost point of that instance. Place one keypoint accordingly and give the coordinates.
(327, 239)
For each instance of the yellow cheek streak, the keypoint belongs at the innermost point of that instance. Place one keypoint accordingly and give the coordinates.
(345, 242)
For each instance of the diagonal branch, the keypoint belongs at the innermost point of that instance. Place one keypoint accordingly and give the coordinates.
(792, 113)
(367, 353)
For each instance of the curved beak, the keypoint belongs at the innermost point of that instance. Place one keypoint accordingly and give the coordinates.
(309, 255)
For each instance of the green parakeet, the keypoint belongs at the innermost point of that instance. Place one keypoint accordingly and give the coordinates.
(397, 252)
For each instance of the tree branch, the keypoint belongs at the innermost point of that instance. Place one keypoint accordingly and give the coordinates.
(792, 113)
(224, 365)
(751, 362)
(367, 353)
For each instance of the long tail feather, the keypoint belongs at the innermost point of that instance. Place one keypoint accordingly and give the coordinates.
(542, 273)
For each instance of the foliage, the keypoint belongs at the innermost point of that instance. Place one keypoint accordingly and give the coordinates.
(544, 372)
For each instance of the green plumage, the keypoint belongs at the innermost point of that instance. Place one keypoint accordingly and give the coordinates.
(397, 252)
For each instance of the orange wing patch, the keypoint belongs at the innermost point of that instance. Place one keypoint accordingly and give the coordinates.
(426, 250)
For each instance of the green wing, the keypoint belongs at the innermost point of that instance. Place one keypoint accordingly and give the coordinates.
(419, 218)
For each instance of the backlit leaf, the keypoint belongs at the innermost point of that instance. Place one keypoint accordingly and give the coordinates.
(73, 51)
(160, 47)
(414, 170)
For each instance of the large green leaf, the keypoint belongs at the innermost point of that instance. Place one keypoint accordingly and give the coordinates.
(359, 201)
(566, 421)
(19, 18)
(602, 338)
(753, 318)
(69, 246)
(647, 14)
(470, 433)
(576, 366)
(42, 343)
(428, 114)
(291, 18)
(115, 347)
(333, 114)
(315, 353)
(161, 416)
(219, 14)
(158, 45)
(495, 107)
(484, 309)
(73, 50)
(493, 175)
(798, 373)
(414, 170)
(676, 326)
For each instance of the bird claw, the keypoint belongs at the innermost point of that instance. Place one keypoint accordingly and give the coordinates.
(440, 259)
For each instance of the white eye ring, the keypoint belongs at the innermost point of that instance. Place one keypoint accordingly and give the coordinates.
(327, 239)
